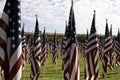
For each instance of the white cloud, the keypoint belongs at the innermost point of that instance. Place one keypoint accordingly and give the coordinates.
(54, 13)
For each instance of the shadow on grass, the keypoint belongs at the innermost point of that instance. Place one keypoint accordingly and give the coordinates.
(112, 73)
(81, 73)
(43, 76)
(105, 77)
(25, 78)
(53, 72)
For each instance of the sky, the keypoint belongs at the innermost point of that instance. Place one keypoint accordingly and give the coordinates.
(52, 14)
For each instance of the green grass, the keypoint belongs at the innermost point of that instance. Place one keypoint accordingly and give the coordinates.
(54, 72)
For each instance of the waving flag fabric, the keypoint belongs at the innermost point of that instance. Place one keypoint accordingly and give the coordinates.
(10, 40)
(107, 50)
(23, 46)
(117, 49)
(54, 49)
(111, 54)
(36, 55)
(71, 65)
(44, 49)
(92, 67)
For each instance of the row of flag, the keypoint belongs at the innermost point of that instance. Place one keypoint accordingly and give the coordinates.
(15, 52)
(107, 51)
(93, 49)
(13, 46)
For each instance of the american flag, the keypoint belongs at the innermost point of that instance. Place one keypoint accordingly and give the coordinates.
(44, 49)
(63, 40)
(111, 54)
(92, 56)
(74, 73)
(117, 49)
(65, 55)
(54, 49)
(4, 24)
(107, 50)
(23, 46)
(35, 57)
(71, 66)
(11, 20)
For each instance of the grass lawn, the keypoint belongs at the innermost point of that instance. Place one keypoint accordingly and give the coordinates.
(54, 72)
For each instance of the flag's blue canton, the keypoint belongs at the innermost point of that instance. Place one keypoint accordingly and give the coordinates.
(74, 39)
(93, 29)
(44, 39)
(107, 34)
(72, 24)
(55, 39)
(23, 31)
(66, 31)
(7, 8)
(31, 41)
(14, 24)
(87, 35)
(36, 35)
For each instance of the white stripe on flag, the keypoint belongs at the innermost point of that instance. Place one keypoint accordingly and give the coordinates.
(3, 34)
(91, 63)
(15, 56)
(18, 75)
(2, 54)
(33, 64)
(5, 18)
